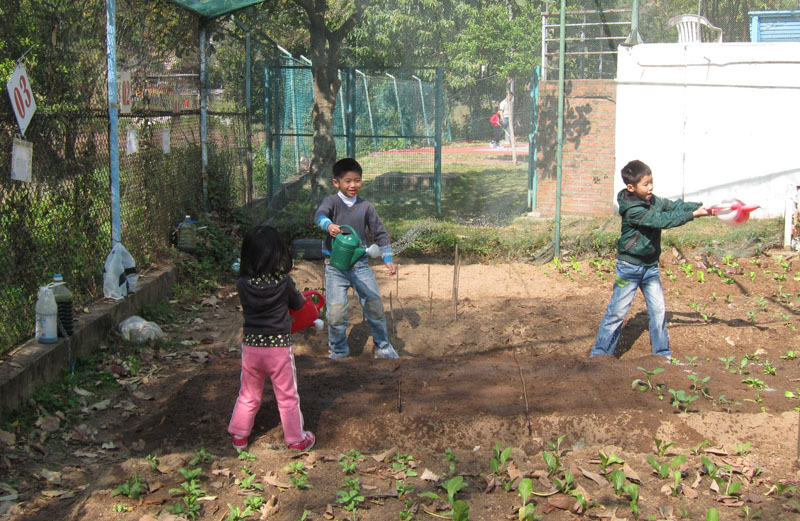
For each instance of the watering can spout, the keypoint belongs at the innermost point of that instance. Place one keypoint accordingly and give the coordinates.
(357, 254)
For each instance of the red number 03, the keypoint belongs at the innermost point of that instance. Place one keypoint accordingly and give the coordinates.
(18, 96)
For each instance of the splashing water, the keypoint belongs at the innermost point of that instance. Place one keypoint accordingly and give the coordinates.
(412, 234)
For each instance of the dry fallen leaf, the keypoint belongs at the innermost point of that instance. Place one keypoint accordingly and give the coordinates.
(9, 438)
(270, 478)
(594, 476)
(385, 455)
(427, 475)
(269, 508)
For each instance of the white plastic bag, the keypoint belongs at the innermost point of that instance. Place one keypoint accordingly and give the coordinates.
(136, 329)
(119, 273)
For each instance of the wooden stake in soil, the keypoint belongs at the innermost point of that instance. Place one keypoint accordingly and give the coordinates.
(391, 313)
(430, 295)
(455, 285)
(525, 393)
(399, 398)
(397, 282)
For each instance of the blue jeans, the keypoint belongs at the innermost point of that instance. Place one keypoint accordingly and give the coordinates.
(361, 278)
(628, 278)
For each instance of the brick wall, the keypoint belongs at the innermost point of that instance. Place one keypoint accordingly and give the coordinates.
(587, 182)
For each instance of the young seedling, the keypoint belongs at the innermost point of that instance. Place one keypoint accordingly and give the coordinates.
(527, 510)
(725, 403)
(699, 449)
(404, 463)
(769, 369)
(299, 475)
(235, 513)
(755, 383)
(188, 507)
(676, 482)
(402, 489)
(699, 385)
(350, 498)
(743, 448)
(663, 469)
(791, 355)
(133, 487)
(793, 395)
(691, 361)
(152, 460)
(632, 489)
(200, 456)
(712, 515)
(349, 461)
(246, 456)
(607, 461)
(730, 363)
(681, 400)
(565, 485)
(451, 460)
(499, 458)
(662, 446)
(249, 482)
(747, 514)
(644, 385)
(618, 479)
(459, 509)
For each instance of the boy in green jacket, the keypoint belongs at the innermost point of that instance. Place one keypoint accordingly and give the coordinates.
(643, 217)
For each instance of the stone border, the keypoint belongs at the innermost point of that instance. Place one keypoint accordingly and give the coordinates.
(35, 364)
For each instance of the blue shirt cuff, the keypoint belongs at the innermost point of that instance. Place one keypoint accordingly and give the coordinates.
(323, 222)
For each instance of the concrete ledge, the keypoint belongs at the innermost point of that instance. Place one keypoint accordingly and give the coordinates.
(35, 364)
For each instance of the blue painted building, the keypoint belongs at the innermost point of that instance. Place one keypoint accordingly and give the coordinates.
(774, 26)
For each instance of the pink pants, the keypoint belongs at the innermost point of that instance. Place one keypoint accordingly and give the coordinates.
(277, 363)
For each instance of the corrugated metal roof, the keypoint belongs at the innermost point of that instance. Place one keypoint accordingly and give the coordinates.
(214, 8)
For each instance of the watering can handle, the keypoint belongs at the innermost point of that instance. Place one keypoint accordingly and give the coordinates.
(312, 292)
(352, 230)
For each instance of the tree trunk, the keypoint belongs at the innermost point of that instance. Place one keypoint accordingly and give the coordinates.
(324, 148)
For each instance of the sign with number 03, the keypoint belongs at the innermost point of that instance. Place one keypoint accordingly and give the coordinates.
(19, 88)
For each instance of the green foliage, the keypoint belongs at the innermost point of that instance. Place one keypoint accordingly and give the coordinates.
(298, 475)
(133, 487)
(499, 458)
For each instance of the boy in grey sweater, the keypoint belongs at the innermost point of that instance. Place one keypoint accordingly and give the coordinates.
(345, 207)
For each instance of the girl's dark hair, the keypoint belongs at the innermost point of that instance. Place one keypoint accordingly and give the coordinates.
(263, 253)
(634, 171)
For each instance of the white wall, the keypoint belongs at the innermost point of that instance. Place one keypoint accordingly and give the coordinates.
(713, 121)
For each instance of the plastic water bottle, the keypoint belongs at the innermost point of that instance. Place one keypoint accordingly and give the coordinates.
(187, 235)
(63, 296)
(46, 316)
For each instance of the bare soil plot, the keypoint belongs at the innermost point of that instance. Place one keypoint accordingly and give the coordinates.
(512, 368)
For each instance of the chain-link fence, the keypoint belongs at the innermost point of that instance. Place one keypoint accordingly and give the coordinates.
(392, 134)
(61, 221)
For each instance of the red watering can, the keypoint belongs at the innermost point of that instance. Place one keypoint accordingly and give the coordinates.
(308, 315)
(732, 211)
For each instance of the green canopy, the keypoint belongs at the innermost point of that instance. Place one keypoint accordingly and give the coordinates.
(214, 8)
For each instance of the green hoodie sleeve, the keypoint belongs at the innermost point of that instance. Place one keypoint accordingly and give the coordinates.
(664, 214)
(678, 205)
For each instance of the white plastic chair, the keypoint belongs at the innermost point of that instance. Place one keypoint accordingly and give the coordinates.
(690, 28)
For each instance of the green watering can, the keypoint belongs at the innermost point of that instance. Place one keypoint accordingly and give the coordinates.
(346, 249)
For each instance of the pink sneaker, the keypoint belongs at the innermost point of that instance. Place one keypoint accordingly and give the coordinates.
(239, 443)
(307, 444)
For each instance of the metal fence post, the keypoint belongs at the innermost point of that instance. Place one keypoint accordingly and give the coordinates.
(437, 153)
(204, 109)
(560, 132)
(268, 128)
(113, 116)
(422, 99)
(533, 142)
(350, 131)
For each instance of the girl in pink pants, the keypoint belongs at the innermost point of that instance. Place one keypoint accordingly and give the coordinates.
(266, 292)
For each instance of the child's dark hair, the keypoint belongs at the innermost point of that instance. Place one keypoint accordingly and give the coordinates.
(634, 171)
(264, 252)
(347, 164)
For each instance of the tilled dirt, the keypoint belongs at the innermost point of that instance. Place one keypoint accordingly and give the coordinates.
(509, 363)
